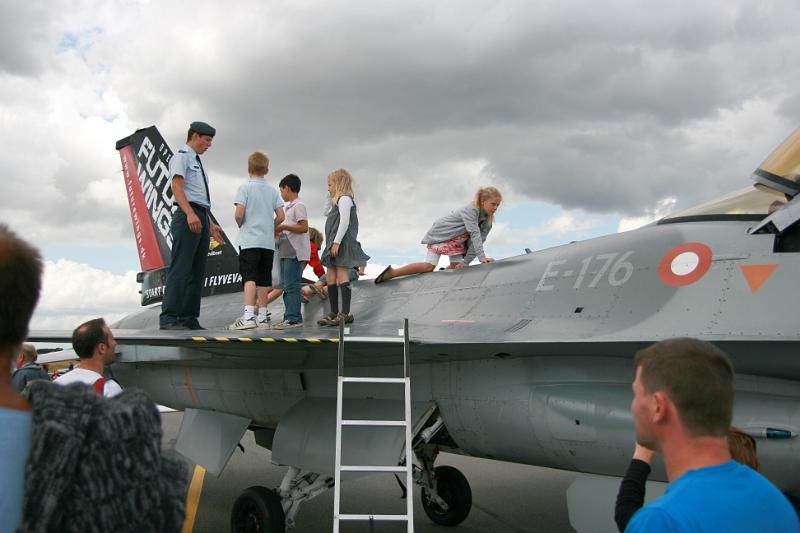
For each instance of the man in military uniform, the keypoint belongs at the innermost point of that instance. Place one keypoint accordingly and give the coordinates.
(191, 227)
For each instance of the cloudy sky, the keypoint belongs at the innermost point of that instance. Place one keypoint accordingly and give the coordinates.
(590, 117)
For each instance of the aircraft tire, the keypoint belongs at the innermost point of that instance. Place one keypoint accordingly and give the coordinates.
(258, 510)
(454, 489)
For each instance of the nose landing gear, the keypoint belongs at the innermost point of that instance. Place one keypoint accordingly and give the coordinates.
(446, 495)
(258, 510)
(450, 501)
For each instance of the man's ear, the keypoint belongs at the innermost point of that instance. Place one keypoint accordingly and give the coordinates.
(662, 406)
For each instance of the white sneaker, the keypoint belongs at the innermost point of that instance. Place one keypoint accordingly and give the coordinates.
(287, 325)
(242, 324)
(263, 324)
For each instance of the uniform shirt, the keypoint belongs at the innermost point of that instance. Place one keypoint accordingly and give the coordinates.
(14, 442)
(297, 244)
(185, 163)
(88, 377)
(729, 497)
(260, 200)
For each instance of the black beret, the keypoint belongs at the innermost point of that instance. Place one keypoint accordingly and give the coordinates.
(202, 128)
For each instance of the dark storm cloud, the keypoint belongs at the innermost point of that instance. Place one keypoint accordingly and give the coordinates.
(24, 39)
(578, 104)
(600, 106)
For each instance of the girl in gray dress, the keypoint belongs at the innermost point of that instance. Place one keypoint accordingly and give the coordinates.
(459, 235)
(342, 249)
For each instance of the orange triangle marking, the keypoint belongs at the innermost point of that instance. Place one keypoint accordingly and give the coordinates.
(757, 275)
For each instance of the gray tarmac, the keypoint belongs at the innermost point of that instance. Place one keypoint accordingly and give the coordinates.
(507, 497)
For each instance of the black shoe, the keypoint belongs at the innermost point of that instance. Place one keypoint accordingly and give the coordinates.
(195, 326)
(174, 327)
(379, 279)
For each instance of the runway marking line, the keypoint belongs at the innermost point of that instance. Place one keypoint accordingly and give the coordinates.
(193, 498)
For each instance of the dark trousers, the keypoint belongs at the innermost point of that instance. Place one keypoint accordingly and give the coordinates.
(187, 271)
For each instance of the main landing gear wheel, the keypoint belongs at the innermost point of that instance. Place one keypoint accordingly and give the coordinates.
(453, 488)
(258, 510)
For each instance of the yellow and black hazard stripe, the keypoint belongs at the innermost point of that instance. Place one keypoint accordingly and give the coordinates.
(264, 339)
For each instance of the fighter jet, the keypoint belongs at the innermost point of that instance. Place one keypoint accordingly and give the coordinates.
(526, 360)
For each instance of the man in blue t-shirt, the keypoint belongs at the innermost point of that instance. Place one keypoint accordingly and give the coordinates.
(682, 407)
(20, 283)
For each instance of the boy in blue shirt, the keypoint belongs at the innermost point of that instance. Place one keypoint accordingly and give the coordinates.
(259, 209)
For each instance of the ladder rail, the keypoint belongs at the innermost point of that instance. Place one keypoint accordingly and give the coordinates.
(341, 379)
(409, 456)
(337, 493)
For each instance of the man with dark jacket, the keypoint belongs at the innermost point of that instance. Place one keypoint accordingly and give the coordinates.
(27, 368)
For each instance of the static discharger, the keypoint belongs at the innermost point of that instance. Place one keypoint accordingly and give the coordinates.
(770, 433)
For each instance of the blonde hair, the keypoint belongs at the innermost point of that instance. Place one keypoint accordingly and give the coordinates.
(342, 184)
(487, 193)
(258, 164)
(315, 236)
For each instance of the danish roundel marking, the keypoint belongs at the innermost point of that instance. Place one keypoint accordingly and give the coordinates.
(685, 264)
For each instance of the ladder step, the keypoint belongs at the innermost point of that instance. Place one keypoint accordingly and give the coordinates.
(395, 423)
(372, 380)
(354, 468)
(376, 517)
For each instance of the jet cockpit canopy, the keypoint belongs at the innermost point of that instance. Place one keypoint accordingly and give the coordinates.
(777, 181)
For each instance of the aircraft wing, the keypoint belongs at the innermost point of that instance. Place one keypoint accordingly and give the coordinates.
(57, 357)
(379, 344)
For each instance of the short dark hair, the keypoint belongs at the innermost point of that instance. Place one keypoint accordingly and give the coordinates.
(291, 181)
(87, 336)
(20, 285)
(697, 376)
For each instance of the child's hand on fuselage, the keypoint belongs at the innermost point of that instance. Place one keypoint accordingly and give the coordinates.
(487, 260)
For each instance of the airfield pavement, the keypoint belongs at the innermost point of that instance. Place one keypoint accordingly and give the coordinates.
(506, 497)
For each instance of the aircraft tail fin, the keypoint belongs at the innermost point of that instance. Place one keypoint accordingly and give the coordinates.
(145, 168)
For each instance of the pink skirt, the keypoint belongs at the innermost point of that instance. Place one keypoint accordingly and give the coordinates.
(455, 246)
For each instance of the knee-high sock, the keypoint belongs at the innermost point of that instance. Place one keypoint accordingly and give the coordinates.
(346, 294)
(333, 297)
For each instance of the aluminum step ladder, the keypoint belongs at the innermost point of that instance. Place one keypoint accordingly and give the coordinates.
(340, 422)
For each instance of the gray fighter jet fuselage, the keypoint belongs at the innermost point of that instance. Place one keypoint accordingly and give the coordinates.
(528, 359)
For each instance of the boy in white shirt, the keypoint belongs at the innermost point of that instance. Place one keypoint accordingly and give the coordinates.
(294, 249)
